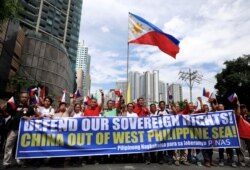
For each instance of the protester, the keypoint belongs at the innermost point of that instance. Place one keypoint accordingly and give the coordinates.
(3, 132)
(208, 153)
(111, 111)
(46, 110)
(62, 110)
(140, 108)
(176, 109)
(121, 106)
(229, 151)
(153, 110)
(77, 111)
(150, 157)
(94, 109)
(241, 112)
(22, 111)
(130, 112)
(175, 156)
(161, 112)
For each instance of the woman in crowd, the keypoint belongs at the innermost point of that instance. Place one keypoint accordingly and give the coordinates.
(77, 111)
(62, 110)
(46, 110)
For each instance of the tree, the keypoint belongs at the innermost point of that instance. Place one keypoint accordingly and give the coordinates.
(9, 9)
(21, 83)
(234, 78)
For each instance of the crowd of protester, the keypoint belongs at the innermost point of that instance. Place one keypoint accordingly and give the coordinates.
(10, 118)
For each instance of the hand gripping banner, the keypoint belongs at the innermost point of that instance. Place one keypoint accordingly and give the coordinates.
(68, 137)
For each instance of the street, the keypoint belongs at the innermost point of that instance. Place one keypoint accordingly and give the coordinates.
(138, 166)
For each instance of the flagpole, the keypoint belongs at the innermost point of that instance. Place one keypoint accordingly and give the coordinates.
(127, 60)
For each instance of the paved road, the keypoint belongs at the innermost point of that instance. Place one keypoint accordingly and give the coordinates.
(136, 166)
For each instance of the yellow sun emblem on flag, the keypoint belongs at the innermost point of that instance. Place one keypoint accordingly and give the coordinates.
(137, 28)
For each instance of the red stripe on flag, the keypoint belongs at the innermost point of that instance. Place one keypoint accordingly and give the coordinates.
(158, 39)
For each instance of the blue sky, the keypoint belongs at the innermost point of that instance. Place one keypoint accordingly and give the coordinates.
(210, 32)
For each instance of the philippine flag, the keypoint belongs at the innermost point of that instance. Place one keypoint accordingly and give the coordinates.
(243, 128)
(11, 101)
(232, 97)
(212, 96)
(206, 93)
(63, 99)
(32, 92)
(118, 93)
(143, 32)
(77, 94)
(87, 100)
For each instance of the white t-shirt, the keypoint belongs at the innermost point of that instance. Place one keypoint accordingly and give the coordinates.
(132, 114)
(45, 112)
(153, 114)
(161, 113)
(79, 114)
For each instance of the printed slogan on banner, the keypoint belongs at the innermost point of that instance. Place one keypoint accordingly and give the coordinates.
(85, 136)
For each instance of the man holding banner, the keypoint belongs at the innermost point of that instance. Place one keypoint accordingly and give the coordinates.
(22, 111)
(229, 151)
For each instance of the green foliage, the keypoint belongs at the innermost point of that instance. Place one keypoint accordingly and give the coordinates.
(182, 105)
(9, 9)
(234, 78)
(21, 83)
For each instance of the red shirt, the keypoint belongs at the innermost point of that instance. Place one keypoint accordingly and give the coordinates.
(141, 111)
(92, 111)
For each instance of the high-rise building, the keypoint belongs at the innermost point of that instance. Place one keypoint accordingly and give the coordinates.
(86, 85)
(142, 86)
(46, 62)
(147, 85)
(162, 91)
(79, 79)
(131, 80)
(175, 90)
(12, 39)
(156, 86)
(83, 62)
(137, 85)
(59, 19)
(83, 57)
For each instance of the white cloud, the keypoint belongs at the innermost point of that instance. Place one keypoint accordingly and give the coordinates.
(105, 28)
(209, 34)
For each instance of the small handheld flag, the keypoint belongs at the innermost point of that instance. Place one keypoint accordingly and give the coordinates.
(118, 93)
(42, 92)
(77, 94)
(87, 100)
(32, 92)
(232, 97)
(11, 101)
(63, 99)
(206, 93)
(212, 96)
